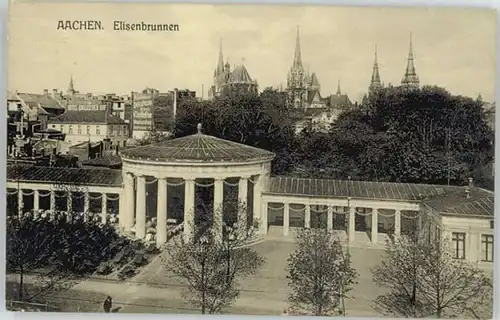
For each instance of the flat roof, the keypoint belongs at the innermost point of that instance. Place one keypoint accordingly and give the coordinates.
(444, 199)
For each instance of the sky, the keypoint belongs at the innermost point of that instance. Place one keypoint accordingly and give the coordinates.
(454, 48)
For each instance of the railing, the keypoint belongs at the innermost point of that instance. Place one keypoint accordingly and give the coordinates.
(24, 306)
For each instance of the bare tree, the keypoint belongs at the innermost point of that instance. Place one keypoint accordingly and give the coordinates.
(320, 274)
(424, 279)
(211, 263)
(451, 287)
(399, 272)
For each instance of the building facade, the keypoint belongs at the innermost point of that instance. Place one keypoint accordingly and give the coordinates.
(93, 126)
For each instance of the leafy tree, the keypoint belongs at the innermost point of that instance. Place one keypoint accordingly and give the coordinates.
(425, 135)
(320, 274)
(423, 279)
(163, 113)
(28, 246)
(153, 136)
(61, 251)
(211, 263)
(259, 121)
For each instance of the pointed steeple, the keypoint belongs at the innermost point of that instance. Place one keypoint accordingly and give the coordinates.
(71, 87)
(375, 83)
(410, 79)
(297, 59)
(338, 88)
(220, 63)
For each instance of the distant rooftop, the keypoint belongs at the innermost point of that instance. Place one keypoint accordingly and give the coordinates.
(46, 101)
(87, 117)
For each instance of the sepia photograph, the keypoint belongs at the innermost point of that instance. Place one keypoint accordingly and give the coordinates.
(250, 160)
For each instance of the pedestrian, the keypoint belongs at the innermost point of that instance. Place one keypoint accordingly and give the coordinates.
(108, 304)
(285, 312)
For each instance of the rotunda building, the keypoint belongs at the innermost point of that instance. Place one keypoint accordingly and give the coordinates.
(188, 159)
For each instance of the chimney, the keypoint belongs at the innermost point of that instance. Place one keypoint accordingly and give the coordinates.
(46, 92)
(54, 92)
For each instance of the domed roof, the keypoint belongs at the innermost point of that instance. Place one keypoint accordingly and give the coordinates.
(198, 148)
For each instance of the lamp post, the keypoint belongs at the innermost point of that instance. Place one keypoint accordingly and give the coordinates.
(349, 212)
(203, 245)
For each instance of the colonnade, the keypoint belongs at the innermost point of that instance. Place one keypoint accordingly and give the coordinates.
(134, 215)
(350, 214)
(68, 194)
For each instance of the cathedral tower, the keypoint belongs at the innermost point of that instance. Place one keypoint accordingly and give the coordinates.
(375, 83)
(297, 78)
(410, 80)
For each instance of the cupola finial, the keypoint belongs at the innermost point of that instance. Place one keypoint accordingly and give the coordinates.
(199, 128)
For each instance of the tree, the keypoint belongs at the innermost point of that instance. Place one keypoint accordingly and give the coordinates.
(153, 136)
(418, 136)
(258, 121)
(424, 279)
(59, 248)
(211, 263)
(163, 113)
(399, 272)
(320, 274)
(28, 246)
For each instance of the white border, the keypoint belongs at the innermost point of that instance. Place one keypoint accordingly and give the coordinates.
(406, 3)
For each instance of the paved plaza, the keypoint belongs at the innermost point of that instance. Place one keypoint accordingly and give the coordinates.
(263, 293)
(155, 290)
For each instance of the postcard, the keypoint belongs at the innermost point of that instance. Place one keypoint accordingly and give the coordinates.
(250, 159)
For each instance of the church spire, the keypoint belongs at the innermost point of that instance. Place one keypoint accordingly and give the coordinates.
(410, 79)
(375, 84)
(338, 88)
(220, 62)
(297, 60)
(71, 87)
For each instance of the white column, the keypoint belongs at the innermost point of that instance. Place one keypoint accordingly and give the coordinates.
(20, 202)
(52, 200)
(104, 207)
(36, 200)
(263, 217)
(286, 218)
(352, 224)
(69, 202)
(121, 209)
(257, 195)
(218, 220)
(243, 199)
(129, 205)
(307, 216)
(189, 199)
(329, 222)
(374, 233)
(397, 223)
(140, 219)
(86, 206)
(161, 212)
